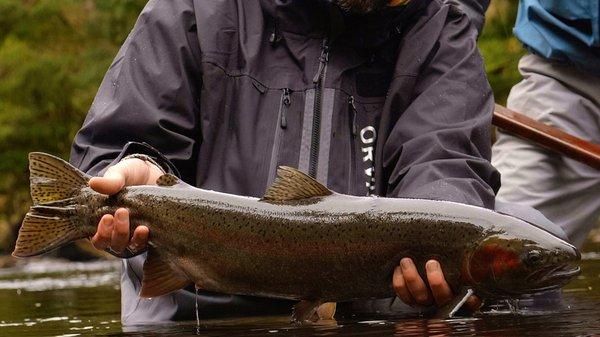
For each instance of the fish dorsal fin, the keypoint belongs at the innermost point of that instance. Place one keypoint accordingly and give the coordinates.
(167, 180)
(292, 184)
(159, 278)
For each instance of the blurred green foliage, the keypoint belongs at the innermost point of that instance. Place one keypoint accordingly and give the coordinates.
(54, 53)
(501, 50)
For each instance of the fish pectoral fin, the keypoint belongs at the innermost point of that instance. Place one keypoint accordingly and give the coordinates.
(292, 184)
(305, 312)
(159, 278)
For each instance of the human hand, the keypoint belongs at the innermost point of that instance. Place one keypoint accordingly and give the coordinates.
(412, 290)
(113, 230)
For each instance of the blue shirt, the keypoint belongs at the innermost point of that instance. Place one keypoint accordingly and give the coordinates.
(562, 30)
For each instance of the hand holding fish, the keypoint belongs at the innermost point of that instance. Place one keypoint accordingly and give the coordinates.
(113, 230)
(412, 290)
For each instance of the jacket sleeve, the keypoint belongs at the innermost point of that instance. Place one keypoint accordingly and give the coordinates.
(440, 146)
(148, 101)
(475, 10)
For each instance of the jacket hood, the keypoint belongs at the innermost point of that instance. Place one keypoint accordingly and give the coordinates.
(320, 19)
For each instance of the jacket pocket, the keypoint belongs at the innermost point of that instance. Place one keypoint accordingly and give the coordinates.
(280, 126)
(353, 127)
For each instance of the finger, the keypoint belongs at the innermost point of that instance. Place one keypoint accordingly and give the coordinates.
(442, 294)
(101, 240)
(139, 241)
(120, 234)
(400, 287)
(111, 183)
(473, 303)
(415, 284)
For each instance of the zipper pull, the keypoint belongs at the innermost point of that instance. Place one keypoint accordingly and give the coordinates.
(323, 59)
(354, 111)
(286, 101)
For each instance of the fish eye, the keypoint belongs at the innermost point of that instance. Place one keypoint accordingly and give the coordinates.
(534, 257)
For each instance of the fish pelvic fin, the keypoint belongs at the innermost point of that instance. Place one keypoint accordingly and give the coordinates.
(293, 185)
(159, 278)
(53, 219)
(326, 311)
(312, 311)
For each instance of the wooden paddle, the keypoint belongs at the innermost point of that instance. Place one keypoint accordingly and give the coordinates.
(547, 136)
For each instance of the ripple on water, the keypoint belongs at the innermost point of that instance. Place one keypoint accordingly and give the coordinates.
(56, 298)
(44, 275)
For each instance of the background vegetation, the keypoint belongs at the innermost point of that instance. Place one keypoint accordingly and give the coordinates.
(54, 53)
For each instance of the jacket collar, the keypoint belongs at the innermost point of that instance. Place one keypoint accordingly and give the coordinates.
(320, 19)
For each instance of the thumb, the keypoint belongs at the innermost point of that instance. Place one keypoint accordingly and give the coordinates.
(111, 183)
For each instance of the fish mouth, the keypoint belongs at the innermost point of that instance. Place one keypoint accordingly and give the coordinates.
(551, 278)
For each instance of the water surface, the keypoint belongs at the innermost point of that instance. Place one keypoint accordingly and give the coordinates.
(57, 298)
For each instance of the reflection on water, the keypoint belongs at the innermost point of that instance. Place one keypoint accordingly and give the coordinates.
(54, 298)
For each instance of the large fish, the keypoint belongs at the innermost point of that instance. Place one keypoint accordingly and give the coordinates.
(301, 241)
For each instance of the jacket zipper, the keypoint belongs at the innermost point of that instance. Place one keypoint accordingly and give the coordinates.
(318, 81)
(353, 132)
(284, 105)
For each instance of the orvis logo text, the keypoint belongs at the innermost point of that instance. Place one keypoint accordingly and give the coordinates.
(368, 136)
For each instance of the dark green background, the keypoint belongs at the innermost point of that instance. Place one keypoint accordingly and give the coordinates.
(54, 53)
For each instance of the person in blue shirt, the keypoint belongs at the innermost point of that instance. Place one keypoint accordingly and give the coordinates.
(560, 87)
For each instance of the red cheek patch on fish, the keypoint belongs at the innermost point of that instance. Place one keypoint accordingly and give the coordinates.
(491, 261)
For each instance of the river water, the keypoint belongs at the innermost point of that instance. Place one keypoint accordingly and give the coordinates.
(56, 298)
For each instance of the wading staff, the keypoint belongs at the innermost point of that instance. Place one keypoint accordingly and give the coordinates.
(547, 136)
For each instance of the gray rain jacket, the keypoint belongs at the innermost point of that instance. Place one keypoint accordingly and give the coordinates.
(393, 103)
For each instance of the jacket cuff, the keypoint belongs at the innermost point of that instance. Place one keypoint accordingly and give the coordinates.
(133, 148)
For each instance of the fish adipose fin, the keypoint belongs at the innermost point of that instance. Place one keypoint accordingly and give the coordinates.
(169, 180)
(291, 185)
(53, 220)
(159, 278)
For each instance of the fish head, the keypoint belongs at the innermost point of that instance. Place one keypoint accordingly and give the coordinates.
(526, 262)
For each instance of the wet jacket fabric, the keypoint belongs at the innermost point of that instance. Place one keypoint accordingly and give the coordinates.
(474, 9)
(567, 31)
(222, 92)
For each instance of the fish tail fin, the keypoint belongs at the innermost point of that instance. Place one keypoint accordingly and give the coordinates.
(54, 219)
(53, 180)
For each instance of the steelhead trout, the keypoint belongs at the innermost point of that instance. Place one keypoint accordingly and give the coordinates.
(301, 241)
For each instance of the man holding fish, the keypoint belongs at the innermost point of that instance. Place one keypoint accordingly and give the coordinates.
(368, 97)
